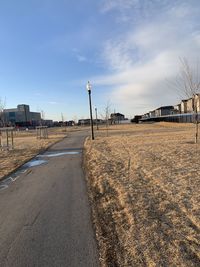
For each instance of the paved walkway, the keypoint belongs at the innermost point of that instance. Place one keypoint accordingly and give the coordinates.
(45, 216)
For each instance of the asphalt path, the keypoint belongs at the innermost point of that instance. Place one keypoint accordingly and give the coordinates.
(45, 217)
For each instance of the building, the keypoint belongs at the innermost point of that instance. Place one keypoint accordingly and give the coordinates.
(164, 111)
(152, 114)
(136, 119)
(197, 102)
(177, 109)
(184, 106)
(116, 117)
(189, 105)
(21, 116)
(84, 122)
(146, 116)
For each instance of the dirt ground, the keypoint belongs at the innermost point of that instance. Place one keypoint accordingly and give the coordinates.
(144, 186)
(26, 146)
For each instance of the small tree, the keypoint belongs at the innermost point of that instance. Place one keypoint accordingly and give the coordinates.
(107, 116)
(42, 121)
(188, 85)
(2, 107)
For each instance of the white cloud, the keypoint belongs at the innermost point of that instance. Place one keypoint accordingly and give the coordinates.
(146, 55)
(109, 5)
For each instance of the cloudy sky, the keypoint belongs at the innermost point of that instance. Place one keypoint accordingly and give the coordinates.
(128, 49)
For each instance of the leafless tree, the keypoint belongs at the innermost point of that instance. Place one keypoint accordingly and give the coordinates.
(2, 107)
(64, 124)
(106, 115)
(42, 121)
(187, 84)
(188, 79)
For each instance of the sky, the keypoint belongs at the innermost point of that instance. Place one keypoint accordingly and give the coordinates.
(129, 50)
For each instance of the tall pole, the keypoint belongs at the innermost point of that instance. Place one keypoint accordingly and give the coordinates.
(96, 119)
(90, 103)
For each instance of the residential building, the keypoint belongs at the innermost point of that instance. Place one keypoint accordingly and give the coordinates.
(177, 109)
(187, 105)
(84, 122)
(152, 113)
(146, 116)
(164, 111)
(136, 119)
(197, 101)
(116, 117)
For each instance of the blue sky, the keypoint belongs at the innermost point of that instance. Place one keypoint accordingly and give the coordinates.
(128, 49)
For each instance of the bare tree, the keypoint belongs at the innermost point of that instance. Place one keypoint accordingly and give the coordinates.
(42, 121)
(188, 80)
(106, 115)
(64, 123)
(188, 85)
(2, 107)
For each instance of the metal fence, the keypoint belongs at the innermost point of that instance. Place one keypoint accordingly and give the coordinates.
(182, 118)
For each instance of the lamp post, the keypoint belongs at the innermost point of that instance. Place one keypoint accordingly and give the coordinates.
(88, 86)
(96, 119)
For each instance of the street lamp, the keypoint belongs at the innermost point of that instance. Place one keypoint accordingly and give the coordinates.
(88, 86)
(96, 119)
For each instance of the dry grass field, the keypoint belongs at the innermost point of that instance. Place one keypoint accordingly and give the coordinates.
(26, 146)
(144, 186)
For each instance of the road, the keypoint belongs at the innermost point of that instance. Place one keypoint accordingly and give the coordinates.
(45, 217)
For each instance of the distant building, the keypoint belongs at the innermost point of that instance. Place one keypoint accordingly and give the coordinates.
(83, 122)
(188, 105)
(152, 114)
(197, 99)
(177, 109)
(21, 116)
(184, 106)
(70, 123)
(116, 117)
(136, 119)
(164, 111)
(145, 116)
(48, 123)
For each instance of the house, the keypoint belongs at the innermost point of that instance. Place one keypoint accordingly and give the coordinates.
(164, 111)
(197, 102)
(190, 105)
(177, 109)
(116, 117)
(146, 116)
(187, 105)
(48, 123)
(83, 122)
(184, 106)
(152, 114)
(22, 116)
(136, 119)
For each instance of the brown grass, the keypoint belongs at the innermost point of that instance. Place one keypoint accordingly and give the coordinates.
(26, 146)
(144, 184)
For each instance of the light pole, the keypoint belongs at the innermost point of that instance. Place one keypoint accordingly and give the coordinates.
(96, 119)
(88, 86)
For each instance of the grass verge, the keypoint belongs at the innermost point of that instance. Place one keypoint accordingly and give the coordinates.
(144, 187)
